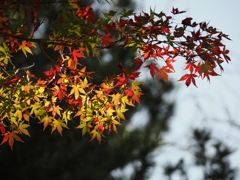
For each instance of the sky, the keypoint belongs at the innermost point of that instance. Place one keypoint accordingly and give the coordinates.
(212, 105)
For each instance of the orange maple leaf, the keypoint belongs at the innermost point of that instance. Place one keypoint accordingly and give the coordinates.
(136, 96)
(163, 73)
(10, 137)
(25, 47)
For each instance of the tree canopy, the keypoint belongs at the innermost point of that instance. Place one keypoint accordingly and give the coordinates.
(66, 89)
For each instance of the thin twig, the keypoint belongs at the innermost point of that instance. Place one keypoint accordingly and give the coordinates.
(46, 54)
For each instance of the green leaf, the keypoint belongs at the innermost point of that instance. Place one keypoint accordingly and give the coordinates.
(22, 128)
(126, 13)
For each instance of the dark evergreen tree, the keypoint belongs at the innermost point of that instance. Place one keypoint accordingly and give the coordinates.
(215, 166)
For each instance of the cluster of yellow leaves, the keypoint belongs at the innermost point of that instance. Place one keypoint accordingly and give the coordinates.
(98, 108)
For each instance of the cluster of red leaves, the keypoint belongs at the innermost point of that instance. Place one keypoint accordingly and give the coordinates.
(199, 44)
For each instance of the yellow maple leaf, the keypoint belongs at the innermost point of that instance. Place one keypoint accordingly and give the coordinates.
(46, 121)
(120, 114)
(25, 47)
(22, 128)
(57, 125)
(116, 98)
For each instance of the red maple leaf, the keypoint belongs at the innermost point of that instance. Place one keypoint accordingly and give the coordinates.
(175, 11)
(138, 63)
(122, 79)
(168, 61)
(129, 92)
(133, 75)
(50, 74)
(192, 67)
(106, 40)
(187, 21)
(153, 68)
(2, 128)
(75, 54)
(189, 78)
(59, 92)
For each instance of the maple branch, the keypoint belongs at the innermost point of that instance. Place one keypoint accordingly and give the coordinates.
(47, 41)
(46, 54)
(43, 41)
(5, 71)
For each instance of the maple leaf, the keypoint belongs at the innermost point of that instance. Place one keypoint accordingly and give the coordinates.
(13, 81)
(129, 92)
(67, 116)
(153, 68)
(138, 63)
(99, 127)
(196, 35)
(106, 40)
(135, 85)
(136, 96)
(175, 11)
(96, 134)
(84, 83)
(165, 30)
(6, 137)
(206, 69)
(133, 75)
(64, 79)
(18, 114)
(168, 61)
(27, 88)
(115, 122)
(189, 78)
(122, 80)
(55, 110)
(163, 73)
(110, 111)
(46, 120)
(125, 100)
(51, 74)
(26, 116)
(187, 21)
(57, 125)
(192, 67)
(22, 128)
(116, 98)
(71, 63)
(10, 137)
(75, 54)
(25, 47)
(149, 51)
(85, 127)
(75, 91)
(120, 114)
(2, 128)
(59, 93)
(136, 92)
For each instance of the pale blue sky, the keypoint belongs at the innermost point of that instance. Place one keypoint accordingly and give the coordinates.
(212, 104)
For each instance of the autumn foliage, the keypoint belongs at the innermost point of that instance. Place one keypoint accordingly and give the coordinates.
(66, 90)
